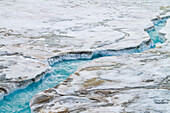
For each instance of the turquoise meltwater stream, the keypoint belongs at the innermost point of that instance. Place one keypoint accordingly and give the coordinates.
(18, 101)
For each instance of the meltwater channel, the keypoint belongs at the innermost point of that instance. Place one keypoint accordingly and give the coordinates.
(18, 101)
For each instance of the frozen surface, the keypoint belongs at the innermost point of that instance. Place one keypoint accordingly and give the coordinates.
(128, 83)
(32, 31)
(132, 83)
(43, 28)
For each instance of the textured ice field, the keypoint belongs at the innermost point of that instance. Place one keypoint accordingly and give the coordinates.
(32, 31)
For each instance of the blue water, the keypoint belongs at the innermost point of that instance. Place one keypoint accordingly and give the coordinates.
(154, 33)
(18, 101)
